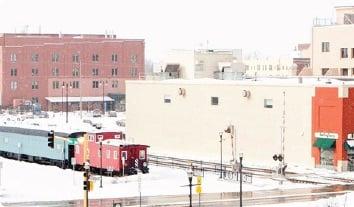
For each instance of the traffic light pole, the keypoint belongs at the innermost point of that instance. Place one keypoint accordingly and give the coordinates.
(86, 201)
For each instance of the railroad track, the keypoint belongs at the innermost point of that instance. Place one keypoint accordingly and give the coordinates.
(204, 166)
(229, 170)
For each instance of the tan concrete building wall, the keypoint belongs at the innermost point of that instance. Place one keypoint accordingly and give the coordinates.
(211, 63)
(338, 36)
(189, 126)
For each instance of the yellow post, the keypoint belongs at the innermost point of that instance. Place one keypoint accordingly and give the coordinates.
(87, 168)
(86, 149)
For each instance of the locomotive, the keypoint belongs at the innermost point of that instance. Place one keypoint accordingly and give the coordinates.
(106, 149)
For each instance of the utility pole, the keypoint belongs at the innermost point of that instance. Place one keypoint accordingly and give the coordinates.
(220, 134)
(80, 85)
(283, 137)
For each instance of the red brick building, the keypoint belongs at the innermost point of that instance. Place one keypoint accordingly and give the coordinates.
(38, 67)
(333, 127)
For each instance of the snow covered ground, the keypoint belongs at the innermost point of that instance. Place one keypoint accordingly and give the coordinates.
(22, 181)
(57, 122)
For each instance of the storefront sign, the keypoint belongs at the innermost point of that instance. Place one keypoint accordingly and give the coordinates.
(326, 135)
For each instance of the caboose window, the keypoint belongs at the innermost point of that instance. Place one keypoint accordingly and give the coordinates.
(115, 155)
(108, 154)
(124, 155)
(142, 154)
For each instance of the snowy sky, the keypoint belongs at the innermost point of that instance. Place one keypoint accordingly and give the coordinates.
(271, 27)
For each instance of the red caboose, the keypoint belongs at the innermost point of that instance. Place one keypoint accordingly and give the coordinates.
(115, 154)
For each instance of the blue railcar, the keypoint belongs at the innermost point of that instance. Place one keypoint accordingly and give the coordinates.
(35, 149)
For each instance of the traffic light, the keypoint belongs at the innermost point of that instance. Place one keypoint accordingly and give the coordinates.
(51, 139)
(86, 185)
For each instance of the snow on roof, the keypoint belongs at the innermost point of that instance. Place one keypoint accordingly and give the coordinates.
(115, 142)
(268, 81)
(60, 99)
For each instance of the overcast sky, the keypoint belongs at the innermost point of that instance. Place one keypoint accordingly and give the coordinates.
(271, 27)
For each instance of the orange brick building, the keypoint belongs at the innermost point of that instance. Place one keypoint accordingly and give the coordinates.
(333, 127)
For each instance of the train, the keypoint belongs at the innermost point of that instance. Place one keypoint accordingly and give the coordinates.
(108, 152)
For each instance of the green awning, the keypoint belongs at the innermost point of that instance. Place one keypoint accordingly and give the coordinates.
(324, 143)
(349, 145)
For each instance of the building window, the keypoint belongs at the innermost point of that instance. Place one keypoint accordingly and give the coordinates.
(167, 99)
(114, 71)
(75, 84)
(55, 71)
(344, 71)
(133, 58)
(35, 57)
(76, 58)
(278, 67)
(214, 100)
(344, 52)
(55, 84)
(95, 71)
(352, 71)
(133, 72)
(114, 57)
(34, 84)
(115, 84)
(13, 57)
(34, 71)
(348, 19)
(13, 85)
(258, 67)
(13, 71)
(268, 103)
(95, 57)
(324, 71)
(35, 100)
(108, 153)
(352, 52)
(55, 57)
(94, 84)
(270, 67)
(325, 46)
(76, 72)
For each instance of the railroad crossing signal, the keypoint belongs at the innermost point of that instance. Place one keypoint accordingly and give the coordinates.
(51, 139)
(198, 189)
(278, 157)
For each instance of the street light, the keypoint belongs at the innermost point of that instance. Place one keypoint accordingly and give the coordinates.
(220, 134)
(241, 157)
(190, 177)
(100, 140)
(66, 85)
(103, 83)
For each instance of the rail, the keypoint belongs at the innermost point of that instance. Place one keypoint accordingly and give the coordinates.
(199, 167)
